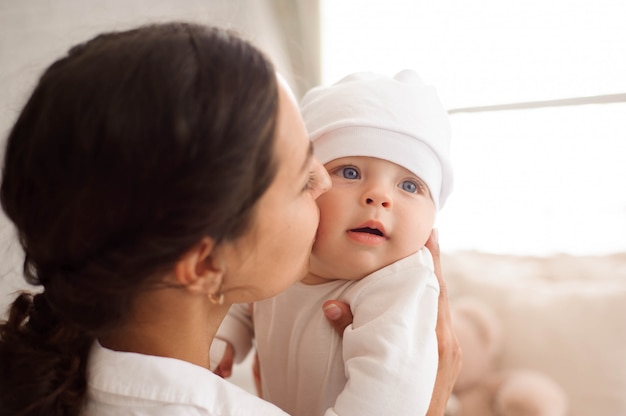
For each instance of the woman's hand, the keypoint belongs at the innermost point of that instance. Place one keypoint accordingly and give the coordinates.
(338, 315)
(449, 350)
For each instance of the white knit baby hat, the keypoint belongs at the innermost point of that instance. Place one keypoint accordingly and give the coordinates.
(398, 119)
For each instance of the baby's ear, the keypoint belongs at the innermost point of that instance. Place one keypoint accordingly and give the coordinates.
(199, 269)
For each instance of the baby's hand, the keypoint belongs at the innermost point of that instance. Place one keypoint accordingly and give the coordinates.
(225, 350)
(256, 374)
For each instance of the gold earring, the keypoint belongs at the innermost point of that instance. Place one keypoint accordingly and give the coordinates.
(216, 298)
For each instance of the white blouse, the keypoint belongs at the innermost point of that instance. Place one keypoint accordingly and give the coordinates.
(123, 383)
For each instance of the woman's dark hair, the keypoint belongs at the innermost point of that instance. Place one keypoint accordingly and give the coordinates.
(130, 150)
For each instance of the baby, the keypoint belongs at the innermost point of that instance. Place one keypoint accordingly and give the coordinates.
(385, 143)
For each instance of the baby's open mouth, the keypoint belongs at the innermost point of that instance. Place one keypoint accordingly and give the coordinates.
(368, 230)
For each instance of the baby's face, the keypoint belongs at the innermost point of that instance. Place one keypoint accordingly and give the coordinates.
(375, 213)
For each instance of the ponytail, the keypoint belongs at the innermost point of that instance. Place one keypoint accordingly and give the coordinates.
(42, 361)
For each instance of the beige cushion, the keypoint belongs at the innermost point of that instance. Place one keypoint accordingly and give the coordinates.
(564, 316)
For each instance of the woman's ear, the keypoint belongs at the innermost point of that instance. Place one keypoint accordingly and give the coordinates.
(200, 269)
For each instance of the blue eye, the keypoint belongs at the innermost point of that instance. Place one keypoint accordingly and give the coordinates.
(409, 186)
(350, 173)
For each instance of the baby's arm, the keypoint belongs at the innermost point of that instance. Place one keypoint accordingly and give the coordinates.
(237, 332)
(390, 351)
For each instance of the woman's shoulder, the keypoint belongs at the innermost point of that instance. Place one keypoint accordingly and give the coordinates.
(140, 384)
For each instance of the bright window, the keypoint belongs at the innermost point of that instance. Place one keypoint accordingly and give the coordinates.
(540, 180)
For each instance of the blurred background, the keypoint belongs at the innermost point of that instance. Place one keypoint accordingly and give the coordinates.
(536, 93)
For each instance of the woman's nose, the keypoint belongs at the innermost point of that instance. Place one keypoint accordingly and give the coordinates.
(324, 180)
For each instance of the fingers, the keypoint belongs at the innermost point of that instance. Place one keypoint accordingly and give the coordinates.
(225, 367)
(450, 354)
(433, 246)
(444, 309)
(338, 315)
(256, 374)
(449, 368)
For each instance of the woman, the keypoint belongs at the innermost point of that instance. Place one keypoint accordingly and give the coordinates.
(155, 177)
